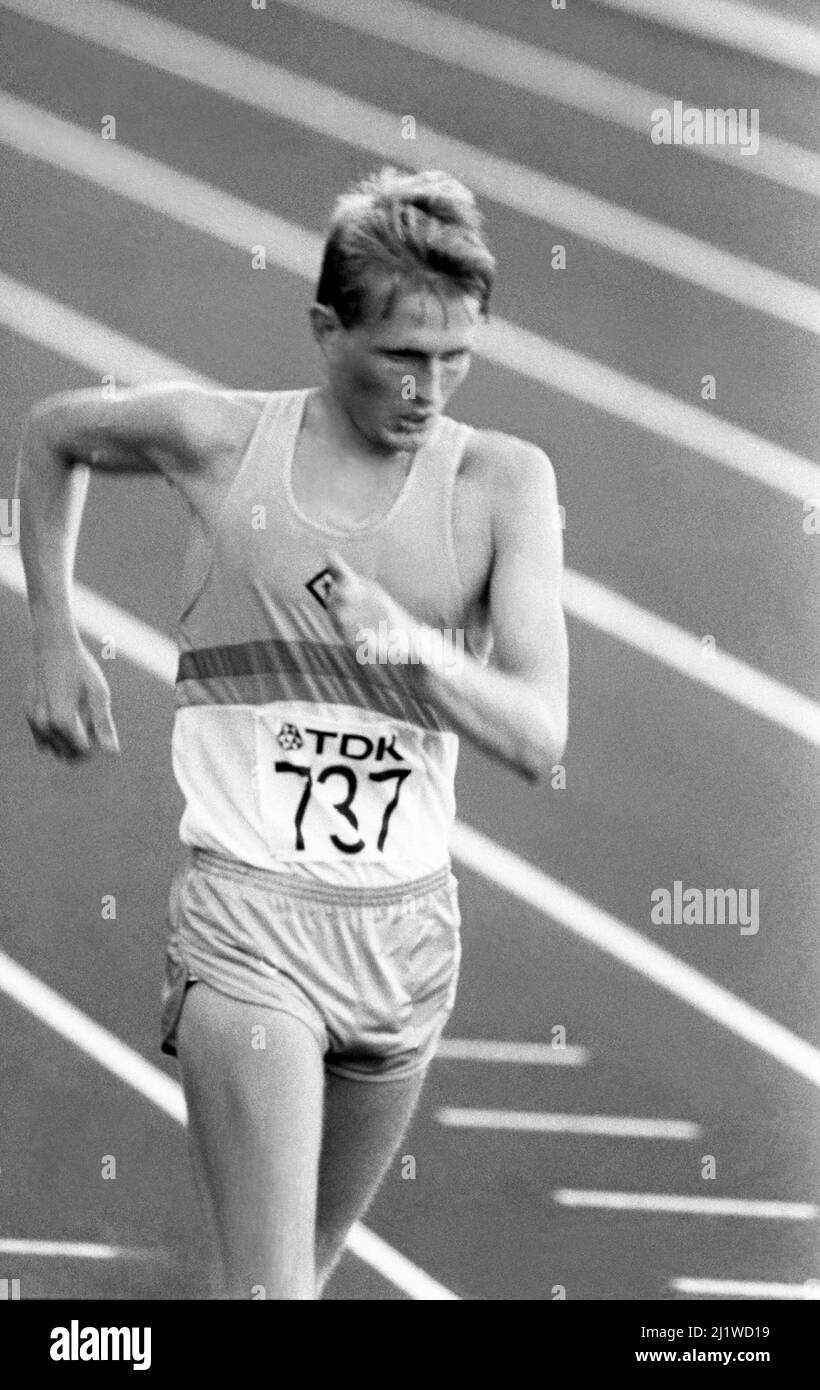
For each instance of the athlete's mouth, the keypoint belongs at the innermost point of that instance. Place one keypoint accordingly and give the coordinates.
(413, 422)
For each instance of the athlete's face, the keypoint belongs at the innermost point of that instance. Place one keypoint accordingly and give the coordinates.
(393, 376)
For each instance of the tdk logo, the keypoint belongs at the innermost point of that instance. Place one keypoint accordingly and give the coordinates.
(289, 737)
(354, 746)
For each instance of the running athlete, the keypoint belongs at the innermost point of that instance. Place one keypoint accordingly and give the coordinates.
(314, 940)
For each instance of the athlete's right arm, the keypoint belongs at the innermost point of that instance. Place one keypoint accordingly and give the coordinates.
(149, 429)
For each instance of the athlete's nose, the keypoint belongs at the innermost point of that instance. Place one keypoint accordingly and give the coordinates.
(428, 386)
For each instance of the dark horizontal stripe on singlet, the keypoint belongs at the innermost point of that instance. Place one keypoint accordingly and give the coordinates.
(255, 673)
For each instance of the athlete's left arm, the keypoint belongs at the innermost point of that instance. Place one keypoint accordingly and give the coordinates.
(515, 709)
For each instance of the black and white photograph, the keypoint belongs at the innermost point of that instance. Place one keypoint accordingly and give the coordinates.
(410, 681)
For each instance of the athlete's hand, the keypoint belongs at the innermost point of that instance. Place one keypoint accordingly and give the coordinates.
(360, 606)
(68, 706)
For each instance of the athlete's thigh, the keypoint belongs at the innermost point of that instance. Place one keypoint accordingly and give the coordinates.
(253, 1080)
(363, 1126)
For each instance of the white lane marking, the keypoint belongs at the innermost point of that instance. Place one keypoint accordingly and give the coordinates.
(762, 32)
(74, 1250)
(143, 645)
(746, 1288)
(682, 651)
(656, 412)
(537, 1122)
(516, 1053)
(522, 880)
(553, 76)
(77, 1028)
(79, 338)
(397, 1269)
(166, 1094)
(336, 116)
(685, 1205)
(188, 201)
(553, 899)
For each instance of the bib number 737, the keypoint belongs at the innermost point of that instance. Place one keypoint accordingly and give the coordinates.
(348, 780)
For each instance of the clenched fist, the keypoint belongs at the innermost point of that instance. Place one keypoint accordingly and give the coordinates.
(358, 605)
(68, 706)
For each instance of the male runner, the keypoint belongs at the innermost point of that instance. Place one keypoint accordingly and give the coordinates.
(314, 930)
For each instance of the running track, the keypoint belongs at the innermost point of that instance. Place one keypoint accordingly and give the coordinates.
(665, 777)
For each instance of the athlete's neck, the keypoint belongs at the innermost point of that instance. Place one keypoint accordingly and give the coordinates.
(327, 417)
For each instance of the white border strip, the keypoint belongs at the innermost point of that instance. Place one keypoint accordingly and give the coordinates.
(686, 1205)
(515, 1053)
(166, 1094)
(746, 1288)
(540, 1122)
(332, 114)
(745, 27)
(552, 76)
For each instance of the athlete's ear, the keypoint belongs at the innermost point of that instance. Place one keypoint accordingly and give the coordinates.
(325, 323)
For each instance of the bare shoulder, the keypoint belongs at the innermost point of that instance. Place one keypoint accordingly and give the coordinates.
(218, 423)
(508, 470)
(507, 456)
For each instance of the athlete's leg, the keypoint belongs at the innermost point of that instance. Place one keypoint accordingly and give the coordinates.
(363, 1127)
(255, 1116)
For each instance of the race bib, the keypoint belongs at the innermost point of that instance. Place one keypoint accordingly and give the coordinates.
(361, 789)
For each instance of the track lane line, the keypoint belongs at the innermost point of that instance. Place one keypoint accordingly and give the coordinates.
(396, 1268)
(552, 76)
(684, 652)
(541, 1122)
(70, 1023)
(549, 898)
(686, 1205)
(73, 1250)
(745, 27)
(513, 1053)
(129, 1066)
(330, 113)
(522, 880)
(746, 1288)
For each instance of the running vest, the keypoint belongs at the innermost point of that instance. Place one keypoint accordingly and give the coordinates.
(293, 754)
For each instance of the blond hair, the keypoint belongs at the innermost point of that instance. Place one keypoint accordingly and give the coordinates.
(395, 232)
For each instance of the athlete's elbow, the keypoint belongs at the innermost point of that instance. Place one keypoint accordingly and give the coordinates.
(544, 748)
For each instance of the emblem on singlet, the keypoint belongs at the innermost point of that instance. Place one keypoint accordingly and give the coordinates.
(320, 586)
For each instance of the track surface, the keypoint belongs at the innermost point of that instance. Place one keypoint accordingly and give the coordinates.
(665, 780)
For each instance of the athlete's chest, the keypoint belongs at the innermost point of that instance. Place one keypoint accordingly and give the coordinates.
(277, 525)
(339, 504)
(269, 534)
